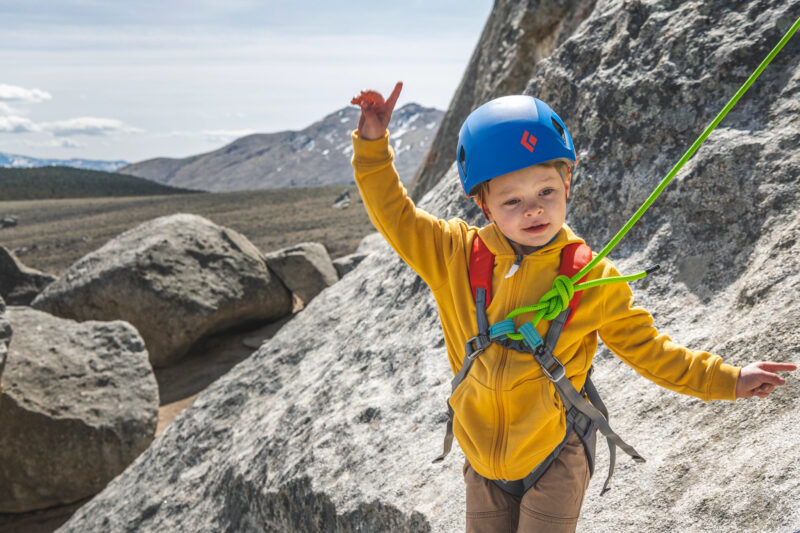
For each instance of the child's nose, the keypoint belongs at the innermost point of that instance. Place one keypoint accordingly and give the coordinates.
(533, 207)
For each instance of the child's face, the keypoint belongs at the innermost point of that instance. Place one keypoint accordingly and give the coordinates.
(528, 205)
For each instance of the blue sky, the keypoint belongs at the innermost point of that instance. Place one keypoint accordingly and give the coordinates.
(140, 79)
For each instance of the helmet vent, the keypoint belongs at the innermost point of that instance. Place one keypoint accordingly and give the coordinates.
(560, 129)
(462, 156)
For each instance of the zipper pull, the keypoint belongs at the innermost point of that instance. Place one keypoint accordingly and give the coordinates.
(514, 267)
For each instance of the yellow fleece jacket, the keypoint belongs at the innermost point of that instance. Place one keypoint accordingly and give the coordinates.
(508, 415)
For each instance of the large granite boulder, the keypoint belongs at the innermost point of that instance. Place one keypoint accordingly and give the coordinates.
(517, 37)
(176, 279)
(79, 404)
(19, 284)
(305, 268)
(332, 424)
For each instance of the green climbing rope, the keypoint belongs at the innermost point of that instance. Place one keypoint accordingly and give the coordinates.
(553, 301)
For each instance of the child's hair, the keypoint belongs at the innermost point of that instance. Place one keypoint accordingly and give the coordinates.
(480, 191)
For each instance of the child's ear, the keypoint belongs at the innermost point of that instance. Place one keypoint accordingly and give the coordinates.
(486, 212)
(567, 182)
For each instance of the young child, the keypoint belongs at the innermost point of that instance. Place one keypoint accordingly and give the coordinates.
(515, 158)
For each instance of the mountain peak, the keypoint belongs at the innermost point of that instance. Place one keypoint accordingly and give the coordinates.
(316, 155)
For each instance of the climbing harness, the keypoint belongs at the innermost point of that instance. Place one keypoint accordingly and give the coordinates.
(560, 301)
(581, 417)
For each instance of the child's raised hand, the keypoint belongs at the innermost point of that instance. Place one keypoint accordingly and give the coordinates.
(759, 379)
(375, 112)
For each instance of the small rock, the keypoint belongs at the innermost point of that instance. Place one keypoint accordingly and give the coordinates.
(306, 269)
(8, 221)
(347, 263)
(343, 200)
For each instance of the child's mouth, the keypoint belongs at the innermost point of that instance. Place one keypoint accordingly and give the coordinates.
(536, 229)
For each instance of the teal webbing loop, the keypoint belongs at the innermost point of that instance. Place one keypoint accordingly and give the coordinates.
(553, 302)
(504, 327)
(531, 336)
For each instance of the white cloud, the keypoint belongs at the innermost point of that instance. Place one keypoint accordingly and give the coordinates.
(55, 143)
(6, 109)
(87, 126)
(12, 93)
(14, 124)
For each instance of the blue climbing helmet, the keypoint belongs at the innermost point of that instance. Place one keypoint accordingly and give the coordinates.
(508, 134)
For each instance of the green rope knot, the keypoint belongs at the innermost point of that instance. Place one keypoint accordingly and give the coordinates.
(557, 299)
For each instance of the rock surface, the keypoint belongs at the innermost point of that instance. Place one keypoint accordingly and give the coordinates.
(344, 406)
(305, 268)
(517, 36)
(20, 284)
(176, 279)
(371, 243)
(79, 403)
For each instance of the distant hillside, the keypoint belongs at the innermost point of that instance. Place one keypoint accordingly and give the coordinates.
(24, 161)
(318, 155)
(64, 182)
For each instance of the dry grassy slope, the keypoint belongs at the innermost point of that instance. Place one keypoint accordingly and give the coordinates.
(52, 234)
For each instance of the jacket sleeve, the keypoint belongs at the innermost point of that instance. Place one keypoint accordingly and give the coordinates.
(422, 240)
(628, 331)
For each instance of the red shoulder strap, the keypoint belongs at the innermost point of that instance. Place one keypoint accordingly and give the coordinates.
(481, 264)
(574, 257)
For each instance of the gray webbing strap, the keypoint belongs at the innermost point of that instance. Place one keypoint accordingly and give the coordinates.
(554, 370)
(594, 397)
(474, 347)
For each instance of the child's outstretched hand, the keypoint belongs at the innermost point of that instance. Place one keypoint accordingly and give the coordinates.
(375, 112)
(759, 379)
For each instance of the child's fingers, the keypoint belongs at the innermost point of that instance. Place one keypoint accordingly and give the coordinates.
(776, 367)
(392, 100)
(764, 390)
(373, 96)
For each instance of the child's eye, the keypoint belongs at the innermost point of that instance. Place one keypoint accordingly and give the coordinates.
(511, 202)
(547, 191)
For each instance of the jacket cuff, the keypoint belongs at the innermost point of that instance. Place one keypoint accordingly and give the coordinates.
(371, 151)
(723, 385)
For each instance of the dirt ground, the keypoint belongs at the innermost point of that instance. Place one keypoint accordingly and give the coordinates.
(53, 234)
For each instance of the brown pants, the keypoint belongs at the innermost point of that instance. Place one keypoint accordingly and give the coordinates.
(551, 506)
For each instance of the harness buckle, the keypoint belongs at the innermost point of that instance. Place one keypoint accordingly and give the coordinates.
(555, 372)
(475, 346)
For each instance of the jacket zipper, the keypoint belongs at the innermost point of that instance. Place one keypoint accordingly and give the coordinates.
(498, 389)
(514, 267)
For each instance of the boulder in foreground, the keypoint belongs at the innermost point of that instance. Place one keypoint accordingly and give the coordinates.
(176, 278)
(79, 404)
